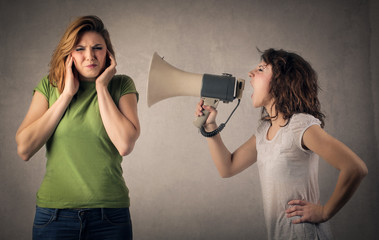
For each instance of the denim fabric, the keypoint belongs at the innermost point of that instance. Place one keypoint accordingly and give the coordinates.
(82, 224)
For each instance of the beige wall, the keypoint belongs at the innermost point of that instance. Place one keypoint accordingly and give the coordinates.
(175, 190)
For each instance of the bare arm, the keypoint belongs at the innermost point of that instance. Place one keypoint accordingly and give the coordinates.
(41, 121)
(121, 124)
(352, 171)
(228, 164)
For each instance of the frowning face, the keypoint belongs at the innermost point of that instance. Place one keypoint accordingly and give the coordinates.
(90, 56)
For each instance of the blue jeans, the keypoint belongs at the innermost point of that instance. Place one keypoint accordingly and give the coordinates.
(82, 224)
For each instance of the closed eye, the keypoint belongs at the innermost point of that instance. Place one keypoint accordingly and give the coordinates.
(261, 67)
(97, 47)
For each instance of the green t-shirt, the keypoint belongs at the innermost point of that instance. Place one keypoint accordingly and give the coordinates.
(83, 168)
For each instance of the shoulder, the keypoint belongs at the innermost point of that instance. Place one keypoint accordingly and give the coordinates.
(44, 82)
(302, 120)
(121, 78)
(118, 81)
(44, 86)
(298, 125)
(120, 85)
(122, 81)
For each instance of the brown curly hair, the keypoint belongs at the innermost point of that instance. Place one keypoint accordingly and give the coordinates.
(68, 42)
(293, 85)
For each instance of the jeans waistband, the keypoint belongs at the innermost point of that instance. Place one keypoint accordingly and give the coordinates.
(73, 212)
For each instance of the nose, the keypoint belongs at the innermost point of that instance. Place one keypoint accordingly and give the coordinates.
(251, 73)
(90, 55)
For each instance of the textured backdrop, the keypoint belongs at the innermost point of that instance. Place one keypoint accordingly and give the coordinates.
(176, 192)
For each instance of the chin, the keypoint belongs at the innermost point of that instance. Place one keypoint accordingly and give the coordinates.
(256, 105)
(253, 103)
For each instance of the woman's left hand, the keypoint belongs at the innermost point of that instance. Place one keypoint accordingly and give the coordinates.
(308, 212)
(108, 73)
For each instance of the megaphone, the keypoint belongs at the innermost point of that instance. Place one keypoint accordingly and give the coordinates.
(166, 81)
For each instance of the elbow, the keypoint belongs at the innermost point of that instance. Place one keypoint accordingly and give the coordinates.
(225, 174)
(362, 170)
(23, 154)
(126, 149)
(127, 146)
(359, 171)
(25, 157)
(22, 150)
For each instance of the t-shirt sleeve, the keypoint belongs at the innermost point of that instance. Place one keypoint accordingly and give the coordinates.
(128, 86)
(43, 87)
(299, 124)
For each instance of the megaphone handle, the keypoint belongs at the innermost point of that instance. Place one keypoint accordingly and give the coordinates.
(199, 121)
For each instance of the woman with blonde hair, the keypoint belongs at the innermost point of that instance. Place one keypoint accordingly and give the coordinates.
(87, 117)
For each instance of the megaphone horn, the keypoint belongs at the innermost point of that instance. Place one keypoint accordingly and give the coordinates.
(167, 81)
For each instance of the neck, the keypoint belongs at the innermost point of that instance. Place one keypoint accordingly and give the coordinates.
(85, 79)
(276, 117)
(278, 121)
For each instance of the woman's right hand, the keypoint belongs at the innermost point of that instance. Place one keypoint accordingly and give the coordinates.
(71, 79)
(41, 120)
(211, 120)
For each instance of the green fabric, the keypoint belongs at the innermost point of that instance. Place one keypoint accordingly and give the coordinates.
(83, 168)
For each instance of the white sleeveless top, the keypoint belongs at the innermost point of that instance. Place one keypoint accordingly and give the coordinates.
(287, 171)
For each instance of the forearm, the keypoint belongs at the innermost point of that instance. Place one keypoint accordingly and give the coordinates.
(352, 168)
(347, 183)
(221, 156)
(122, 132)
(32, 137)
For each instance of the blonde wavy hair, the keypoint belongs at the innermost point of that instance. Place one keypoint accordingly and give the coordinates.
(69, 40)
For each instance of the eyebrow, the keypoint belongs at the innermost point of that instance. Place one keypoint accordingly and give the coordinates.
(96, 45)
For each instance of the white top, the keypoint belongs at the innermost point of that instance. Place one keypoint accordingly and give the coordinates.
(288, 171)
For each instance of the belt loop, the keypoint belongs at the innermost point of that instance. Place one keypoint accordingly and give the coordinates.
(102, 214)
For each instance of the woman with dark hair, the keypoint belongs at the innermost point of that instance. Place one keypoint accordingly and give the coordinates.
(286, 146)
(87, 117)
